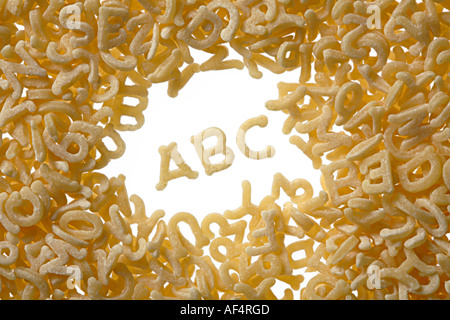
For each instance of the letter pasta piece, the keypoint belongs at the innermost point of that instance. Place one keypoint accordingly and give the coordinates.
(383, 172)
(169, 153)
(346, 185)
(219, 148)
(260, 121)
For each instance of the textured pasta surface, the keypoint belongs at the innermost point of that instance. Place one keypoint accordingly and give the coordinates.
(370, 110)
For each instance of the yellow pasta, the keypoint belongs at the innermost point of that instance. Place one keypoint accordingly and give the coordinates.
(371, 108)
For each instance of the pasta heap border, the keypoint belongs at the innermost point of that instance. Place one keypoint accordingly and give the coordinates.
(377, 108)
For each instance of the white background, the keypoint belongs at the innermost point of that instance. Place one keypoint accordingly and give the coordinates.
(223, 99)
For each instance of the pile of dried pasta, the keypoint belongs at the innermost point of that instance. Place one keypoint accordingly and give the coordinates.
(377, 108)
